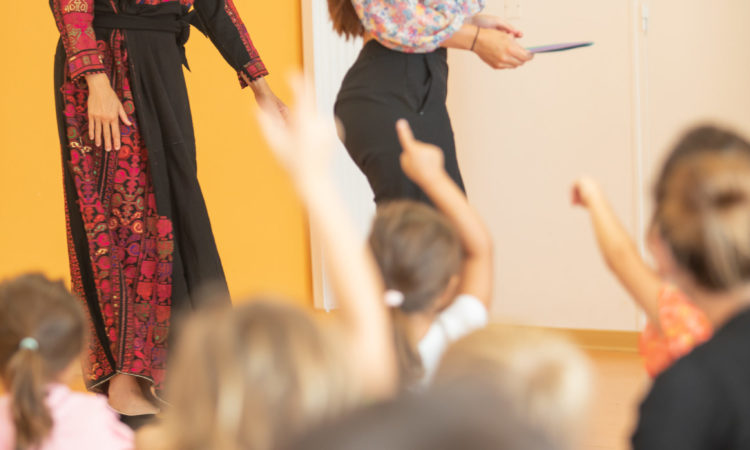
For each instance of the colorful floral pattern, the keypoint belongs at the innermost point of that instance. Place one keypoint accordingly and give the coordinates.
(130, 244)
(682, 327)
(414, 26)
(75, 18)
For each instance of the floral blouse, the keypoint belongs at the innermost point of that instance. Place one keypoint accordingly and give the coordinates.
(414, 26)
(223, 25)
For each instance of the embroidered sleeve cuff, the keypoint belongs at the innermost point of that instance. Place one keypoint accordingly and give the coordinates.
(85, 62)
(252, 71)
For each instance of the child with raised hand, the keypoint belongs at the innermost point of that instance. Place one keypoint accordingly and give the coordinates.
(702, 223)
(303, 144)
(257, 375)
(42, 335)
(436, 264)
(675, 326)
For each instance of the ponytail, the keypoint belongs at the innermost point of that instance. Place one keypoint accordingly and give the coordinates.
(27, 386)
(410, 366)
(42, 331)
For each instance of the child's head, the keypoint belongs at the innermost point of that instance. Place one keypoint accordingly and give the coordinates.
(546, 375)
(456, 417)
(703, 210)
(419, 255)
(250, 376)
(42, 332)
(418, 252)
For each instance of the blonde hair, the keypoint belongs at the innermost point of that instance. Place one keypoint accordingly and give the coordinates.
(418, 252)
(703, 207)
(545, 374)
(253, 376)
(44, 312)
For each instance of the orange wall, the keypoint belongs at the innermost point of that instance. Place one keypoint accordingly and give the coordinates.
(258, 223)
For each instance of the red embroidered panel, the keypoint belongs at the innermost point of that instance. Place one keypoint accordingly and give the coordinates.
(74, 19)
(130, 244)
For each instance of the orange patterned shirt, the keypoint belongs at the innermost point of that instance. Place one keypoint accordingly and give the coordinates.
(682, 327)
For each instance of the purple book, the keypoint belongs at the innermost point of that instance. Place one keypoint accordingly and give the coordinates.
(559, 47)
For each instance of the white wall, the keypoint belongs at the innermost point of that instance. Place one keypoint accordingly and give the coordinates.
(327, 58)
(609, 111)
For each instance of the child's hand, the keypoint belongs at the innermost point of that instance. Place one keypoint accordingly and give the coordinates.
(303, 142)
(584, 191)
(420, 161)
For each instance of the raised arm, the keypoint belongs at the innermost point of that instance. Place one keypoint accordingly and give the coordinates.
(618, 249)
(423, 163)
(304, 149)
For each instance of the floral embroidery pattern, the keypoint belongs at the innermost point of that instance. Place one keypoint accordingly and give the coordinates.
(414, 26)
(130, 245)
(75, 18)
(76, 6)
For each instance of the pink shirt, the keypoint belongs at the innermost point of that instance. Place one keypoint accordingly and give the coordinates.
(80, 422)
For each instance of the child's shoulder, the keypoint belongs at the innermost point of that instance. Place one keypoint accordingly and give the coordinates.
(87, 419)
(62, 397)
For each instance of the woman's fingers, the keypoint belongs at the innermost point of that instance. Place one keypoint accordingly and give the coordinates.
(511, 61)
(520, 53)
(124, 116)
(107, 135)
(92, 127)
(116, 134)
(97, 132)
(509, 28)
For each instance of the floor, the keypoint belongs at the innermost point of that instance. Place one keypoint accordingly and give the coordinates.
(620, 385)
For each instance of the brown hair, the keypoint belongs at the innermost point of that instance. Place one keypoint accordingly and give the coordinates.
(31, 306)
(466, 417)
(251, 377)
(547, 376)
(418, 252)
(345, 19)
(703, 207)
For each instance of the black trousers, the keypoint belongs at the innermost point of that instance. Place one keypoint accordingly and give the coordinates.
(383, 86)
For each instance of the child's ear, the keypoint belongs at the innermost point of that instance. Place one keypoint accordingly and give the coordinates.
(665, 263)
(450, 293)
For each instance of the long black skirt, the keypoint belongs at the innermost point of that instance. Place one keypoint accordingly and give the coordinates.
(140, 242)
(383, 86)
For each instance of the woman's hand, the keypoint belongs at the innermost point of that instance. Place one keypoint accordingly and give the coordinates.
(105, 112)
(267, 100)
(585, 191)
(499, 49)
(304, 140)
(495, 22)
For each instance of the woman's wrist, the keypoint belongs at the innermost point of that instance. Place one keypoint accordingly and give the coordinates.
(476, 36)
(463, 38)
(95, 80)
(260, 87)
